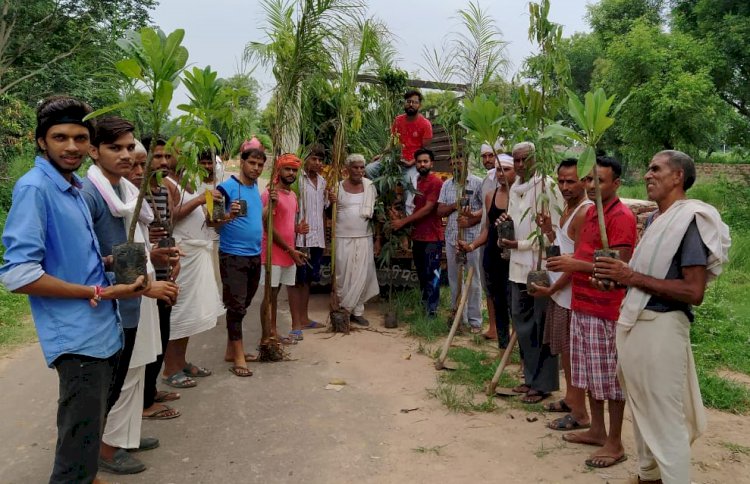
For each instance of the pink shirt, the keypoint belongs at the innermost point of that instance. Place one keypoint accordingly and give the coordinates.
(284, 216)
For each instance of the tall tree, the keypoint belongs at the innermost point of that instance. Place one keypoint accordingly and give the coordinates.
(611, 19)
(722, 27)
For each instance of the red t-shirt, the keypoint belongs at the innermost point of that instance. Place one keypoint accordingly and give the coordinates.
(621, 233)
(429, 228)
(284, 216)
(412, 134)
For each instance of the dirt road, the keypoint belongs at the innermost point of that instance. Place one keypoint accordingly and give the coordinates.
(283, 426)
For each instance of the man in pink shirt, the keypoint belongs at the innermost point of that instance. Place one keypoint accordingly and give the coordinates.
(284, 257)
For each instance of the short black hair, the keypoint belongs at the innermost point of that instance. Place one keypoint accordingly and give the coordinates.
(110, 128)
(205, 155)
(60, 110)
(609, 162)
(159, 141)
(317, 150)
(681, 161)
(413, 92)
(424, 151)
(253, 153)
(567, 163)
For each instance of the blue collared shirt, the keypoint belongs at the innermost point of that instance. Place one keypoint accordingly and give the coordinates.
(49, 231)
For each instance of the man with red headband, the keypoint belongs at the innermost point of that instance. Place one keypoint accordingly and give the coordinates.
(284, 257)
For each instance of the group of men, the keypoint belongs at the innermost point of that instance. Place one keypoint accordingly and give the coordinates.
(109, 342)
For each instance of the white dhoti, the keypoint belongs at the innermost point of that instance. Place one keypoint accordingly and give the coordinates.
(356, 279)
(123, 428)
(199, 303)
(657, 372)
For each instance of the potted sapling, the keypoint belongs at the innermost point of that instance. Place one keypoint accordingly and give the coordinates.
(153, 64)
(592, 119)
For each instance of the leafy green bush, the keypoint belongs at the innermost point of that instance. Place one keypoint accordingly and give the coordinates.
(728, 158)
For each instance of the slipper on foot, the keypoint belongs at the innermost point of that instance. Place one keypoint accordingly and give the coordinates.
(166, 413)
(558, 406)
(535, 397)
(521, 389)
(296, 334)
(122, 463)
(567, 422)
(609, 461)
(575, 439)
(313, 325)
(192, 371)
(179, 380)
(249, 358)
(241, 371)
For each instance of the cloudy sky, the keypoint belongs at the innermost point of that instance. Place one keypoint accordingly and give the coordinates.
(216, 31)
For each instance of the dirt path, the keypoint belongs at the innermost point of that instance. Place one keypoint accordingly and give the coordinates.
(283, 426)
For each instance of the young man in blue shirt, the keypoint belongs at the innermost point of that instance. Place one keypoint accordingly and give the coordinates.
(52, 255)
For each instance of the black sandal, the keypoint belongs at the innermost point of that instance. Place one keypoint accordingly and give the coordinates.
(558, 406)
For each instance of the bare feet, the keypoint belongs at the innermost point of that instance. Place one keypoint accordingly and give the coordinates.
(586, 438)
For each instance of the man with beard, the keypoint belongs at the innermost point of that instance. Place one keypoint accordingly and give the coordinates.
(356, 280)
(527, 312)
(427, 231)
(239, 253)
(314, 199)
(557, 324)
(111, 198)
(284, 257)
(52, 254)
(683, 247)
(466, 220)
(413, 131)
(595, 310)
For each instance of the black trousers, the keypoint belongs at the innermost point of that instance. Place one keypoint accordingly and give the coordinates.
(240, 276)
(426, 257)
(153, 368)
(85, 385)
(122, 367)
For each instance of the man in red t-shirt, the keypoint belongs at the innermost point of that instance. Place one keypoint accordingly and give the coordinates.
(594, 316)
(427, 231)
(413, 131)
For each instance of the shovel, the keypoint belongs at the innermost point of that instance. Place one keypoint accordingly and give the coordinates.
(440, 363)
(492, 387)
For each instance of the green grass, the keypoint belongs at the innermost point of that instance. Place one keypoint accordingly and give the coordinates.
(15, 324)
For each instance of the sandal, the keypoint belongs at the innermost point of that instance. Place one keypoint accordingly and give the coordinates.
(567, 422)
(286, 340)
(249, 358)
(604, 461)
(558, 406)
(313, 325)
(534, 396)
(179, 380)
(523, 388)
(241, 371)
(192, 371)
(164, 396)
(166, 413)
(296, 334)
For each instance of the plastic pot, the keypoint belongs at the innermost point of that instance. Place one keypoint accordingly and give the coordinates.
(218, 212)
(540, 278)
(611, 253)
(243, 208)
(553, 251)
(506, 230)
(129, 262)
(390, 321)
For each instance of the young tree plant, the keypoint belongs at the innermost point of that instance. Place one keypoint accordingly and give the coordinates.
(593, 118)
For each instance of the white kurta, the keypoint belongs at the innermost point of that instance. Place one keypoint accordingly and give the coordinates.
(356, 279)
(199, 303)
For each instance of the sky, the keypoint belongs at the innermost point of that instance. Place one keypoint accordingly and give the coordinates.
(216, 31)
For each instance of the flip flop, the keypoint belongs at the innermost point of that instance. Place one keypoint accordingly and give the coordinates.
(286, 340)
(313, 325)
(179, 380)
(532, 398)
(296, 334)
(164, 396)
(241, 371)
(166, 413)
(192, 371)
(249, 358)
(520, 388)
(613, 461)
(558, 406)
(566, 423)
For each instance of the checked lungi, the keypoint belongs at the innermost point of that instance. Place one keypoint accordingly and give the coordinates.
(593, 356)
(557, 328)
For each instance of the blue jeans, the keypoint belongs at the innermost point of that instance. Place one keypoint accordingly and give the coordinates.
(426, 257)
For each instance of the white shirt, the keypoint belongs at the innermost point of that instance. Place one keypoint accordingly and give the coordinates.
(349, 219)
(312, 209)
